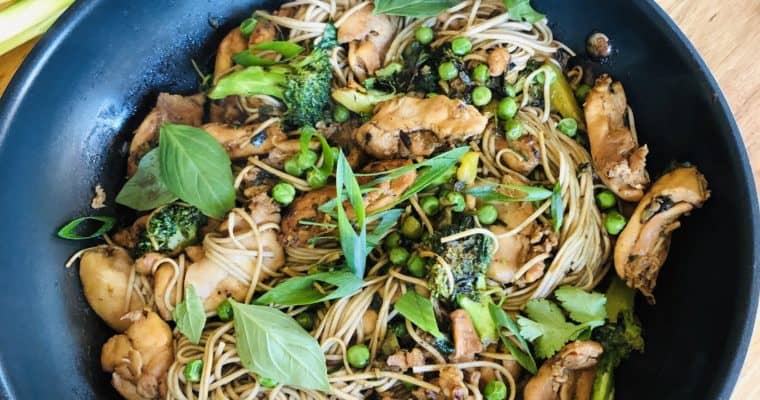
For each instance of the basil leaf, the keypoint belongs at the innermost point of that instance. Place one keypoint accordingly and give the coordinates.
(190, 316)
(490, 192)
(272, 344)
(145, 190)
(413, 8)
(419, 310)
(557, 208)
(196, 168)
(521, 10)
(287, 49)
(68, 231)
(354, 245)
(300, 291)
(521, 352)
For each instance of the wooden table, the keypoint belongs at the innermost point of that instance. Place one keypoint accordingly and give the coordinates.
(726, 34)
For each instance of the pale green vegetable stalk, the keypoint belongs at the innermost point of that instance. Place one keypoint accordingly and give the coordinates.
(26, 19)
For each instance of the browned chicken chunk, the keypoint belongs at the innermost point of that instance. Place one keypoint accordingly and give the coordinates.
(569, 375)
(522, 155)
(451, 382)
(232, 44)
(410, 126)
(241, 142)
(368, 36)
(643, 246)
(169, 108)
(617, 157)
(387, 192)
(139, 359)
(466, 339)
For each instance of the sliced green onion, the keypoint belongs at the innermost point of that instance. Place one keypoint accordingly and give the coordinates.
(69, 231)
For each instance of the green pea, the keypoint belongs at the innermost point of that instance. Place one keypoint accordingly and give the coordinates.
(292, 168)
(455, 200)
(267, 382)
(193, 371)
(316, 178)
(392, 241)
(306, 159)
(341, 114)
(358, 356)
(461, 46)
(487, 214)
(605, 199)
(582, 92)
(447, 71)
(614, 222)
(399, 255)
(513, 128)
(480, 73)
(416, 266)
(507, 108)
(481, 96)
(305, 320)
(495, 390)
(510, 90)
(430, 205)
(568, 126)
(424, 34)
(283, 193)
(411, 228)
(224, 311)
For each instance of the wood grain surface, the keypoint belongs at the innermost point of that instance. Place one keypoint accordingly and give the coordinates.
(727, 35)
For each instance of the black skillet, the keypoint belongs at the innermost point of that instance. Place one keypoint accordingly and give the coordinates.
(66, 119)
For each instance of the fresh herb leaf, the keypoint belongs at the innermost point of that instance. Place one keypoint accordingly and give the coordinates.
(490, 192)
(190, 316)
(584, 307)
(557, 207)
(519, 350)
(413, 8)
(419, 310)
(354, 245)
(272, 344)
(521, 10)
(546, 327)
(196, 168)
(145, 190)
(300, 291)
(388, 220)
(620, 299)
(69, 231)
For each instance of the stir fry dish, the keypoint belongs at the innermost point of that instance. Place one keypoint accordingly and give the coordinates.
(383, 200)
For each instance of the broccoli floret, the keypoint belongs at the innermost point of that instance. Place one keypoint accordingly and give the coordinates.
(467, 258)
(171, 229)
(303, 84)
(620, 337)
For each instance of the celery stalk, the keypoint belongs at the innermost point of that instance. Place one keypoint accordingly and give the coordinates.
(25, 19)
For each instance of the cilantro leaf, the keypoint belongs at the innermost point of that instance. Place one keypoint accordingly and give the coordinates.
(546, 327)
(584, 307)
(520, 10)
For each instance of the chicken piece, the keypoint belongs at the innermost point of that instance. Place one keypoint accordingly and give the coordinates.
(643, 246)
(128, 237)
(522, 155)
(498, 61)
(386, 192)
(139, 359)
(264, 31)
(212, 281)
(368, 36)
(226, 110)
(240, 142)
(232, 44)
(185, 110)
(451, 382)
(304, 207)
(466, 339)
(104, 272)
(402, 360)
(617, 157)
(569, 375)
(341, 135)
(395, 128)
(517, 249)
(258, 181)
